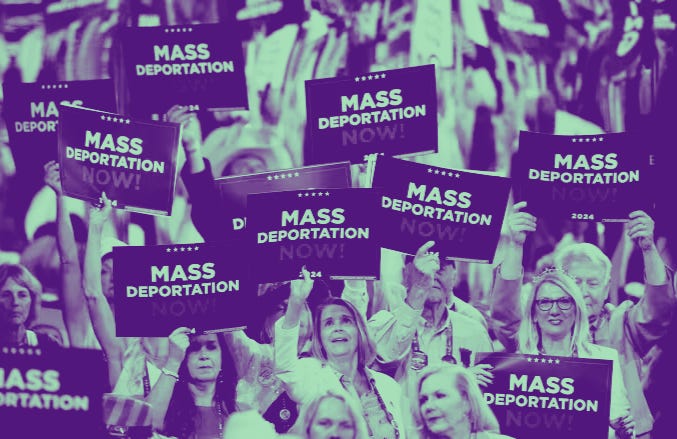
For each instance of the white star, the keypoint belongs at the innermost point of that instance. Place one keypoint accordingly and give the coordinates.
(29, 351)
(12, 350)
(21, 351)
(312, 194)
(169, 250)
(183, 249)
(587, 139)
(103, 117)
(300, 195)
(556, 361)
(269, 178)
(594, 139)
(573, 140)
(458, 175)
(443, 173)
(65, 86)
(550, 361)
(370, 77)
(276, 177)
(357, 79)
(383, 75)
(437, 171)
(4, 350)
(176, 249)
(115, 119)
(430, 171)
(326, 193)
(190, 29)
(196, 248)
(296, 174)
(38, 352)
(290, 175)
(529, 359)
(128, 121)
(364, 78)
(601, 138)
(283, 175)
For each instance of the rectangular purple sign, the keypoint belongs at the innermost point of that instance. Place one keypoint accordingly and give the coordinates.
(392, 112)
(330, 231)
(461, 211)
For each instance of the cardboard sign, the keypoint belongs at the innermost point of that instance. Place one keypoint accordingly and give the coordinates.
(133, 162)
(32, 115)
(392, 112)
(161, 288)
(459, 210)
(195, 65)
(584, 178)
(330, 231)
(536, 396)
(52, 392)
(234, 190)
(632, 31)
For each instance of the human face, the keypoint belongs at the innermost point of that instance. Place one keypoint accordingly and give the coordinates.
(445, 278)
(248, 164)
(15, 304)
(442, 406)
(107, 285)
(332, 421)
(338, 331)
(590, 279)
(204, 358)
(556, 323)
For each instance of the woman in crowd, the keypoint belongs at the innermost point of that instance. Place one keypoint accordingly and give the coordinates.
(196, 400)
(342, 352)
(555, 322)
(19, 307)
(331, 415)
(451, 405)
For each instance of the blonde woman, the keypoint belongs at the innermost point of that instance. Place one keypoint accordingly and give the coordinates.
(331, 415)
(451, 405)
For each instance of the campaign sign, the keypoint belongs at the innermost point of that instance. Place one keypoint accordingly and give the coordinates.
(31, 111)
(199, 65)
(234, 190)
(329, 231)
(461, 211)
(52, 392)
(392, 112)
(161, 288)
(536, 396)
(133, 162)
(584, 178)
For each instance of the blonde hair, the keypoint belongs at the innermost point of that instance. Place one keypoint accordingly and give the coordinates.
(366, 351)
(308, 412)
(529, 334)
(482, 418)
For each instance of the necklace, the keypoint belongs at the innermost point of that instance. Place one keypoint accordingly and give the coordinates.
(382, 404)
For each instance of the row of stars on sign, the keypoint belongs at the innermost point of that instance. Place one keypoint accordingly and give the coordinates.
(116, 119)
(21, 351)
(543, 360)
(313, 194)
(445, 173)
(179, 29)
(53, 86)
(587, 139)
(279, 176)
(370, 77)
(183, 249)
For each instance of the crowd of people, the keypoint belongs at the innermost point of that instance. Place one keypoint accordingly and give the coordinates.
(397, 357)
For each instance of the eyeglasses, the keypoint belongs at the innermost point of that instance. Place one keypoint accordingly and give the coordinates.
(563, 304)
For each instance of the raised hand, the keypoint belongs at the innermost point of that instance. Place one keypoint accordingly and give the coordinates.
(52, 177)
(178, 344)
(191, 131)
(98, 214)
(301, 288)
(640, 229)
(520, 223)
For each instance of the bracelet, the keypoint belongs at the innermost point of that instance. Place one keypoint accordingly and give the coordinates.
(170, 373)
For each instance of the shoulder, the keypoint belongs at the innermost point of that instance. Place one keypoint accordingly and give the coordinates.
(464, 323)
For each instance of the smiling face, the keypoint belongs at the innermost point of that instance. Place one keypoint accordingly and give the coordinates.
(332, 421)
(555, 322)
(590, 279)
(338, 331)
(15, 304)
(204, 358)
(441, 405)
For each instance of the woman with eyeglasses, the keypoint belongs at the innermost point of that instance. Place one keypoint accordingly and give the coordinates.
(555, 322)
(342, 354)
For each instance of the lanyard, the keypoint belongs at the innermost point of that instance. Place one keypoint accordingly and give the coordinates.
(419, 359)
(146, 380)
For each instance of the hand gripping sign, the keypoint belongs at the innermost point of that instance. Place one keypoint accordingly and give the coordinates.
(330, 231)
(133, 162)
(197, 65)
(461, 211)
(584, 178)
(161, 288)
(535, 396)
(234, 190)
(392, 112)
(52, 392)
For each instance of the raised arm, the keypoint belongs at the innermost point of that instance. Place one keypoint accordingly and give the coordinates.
(505, 295)
(75, 314)
(99, 310)
(393, 331)
(650, 318)
(161, 393)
